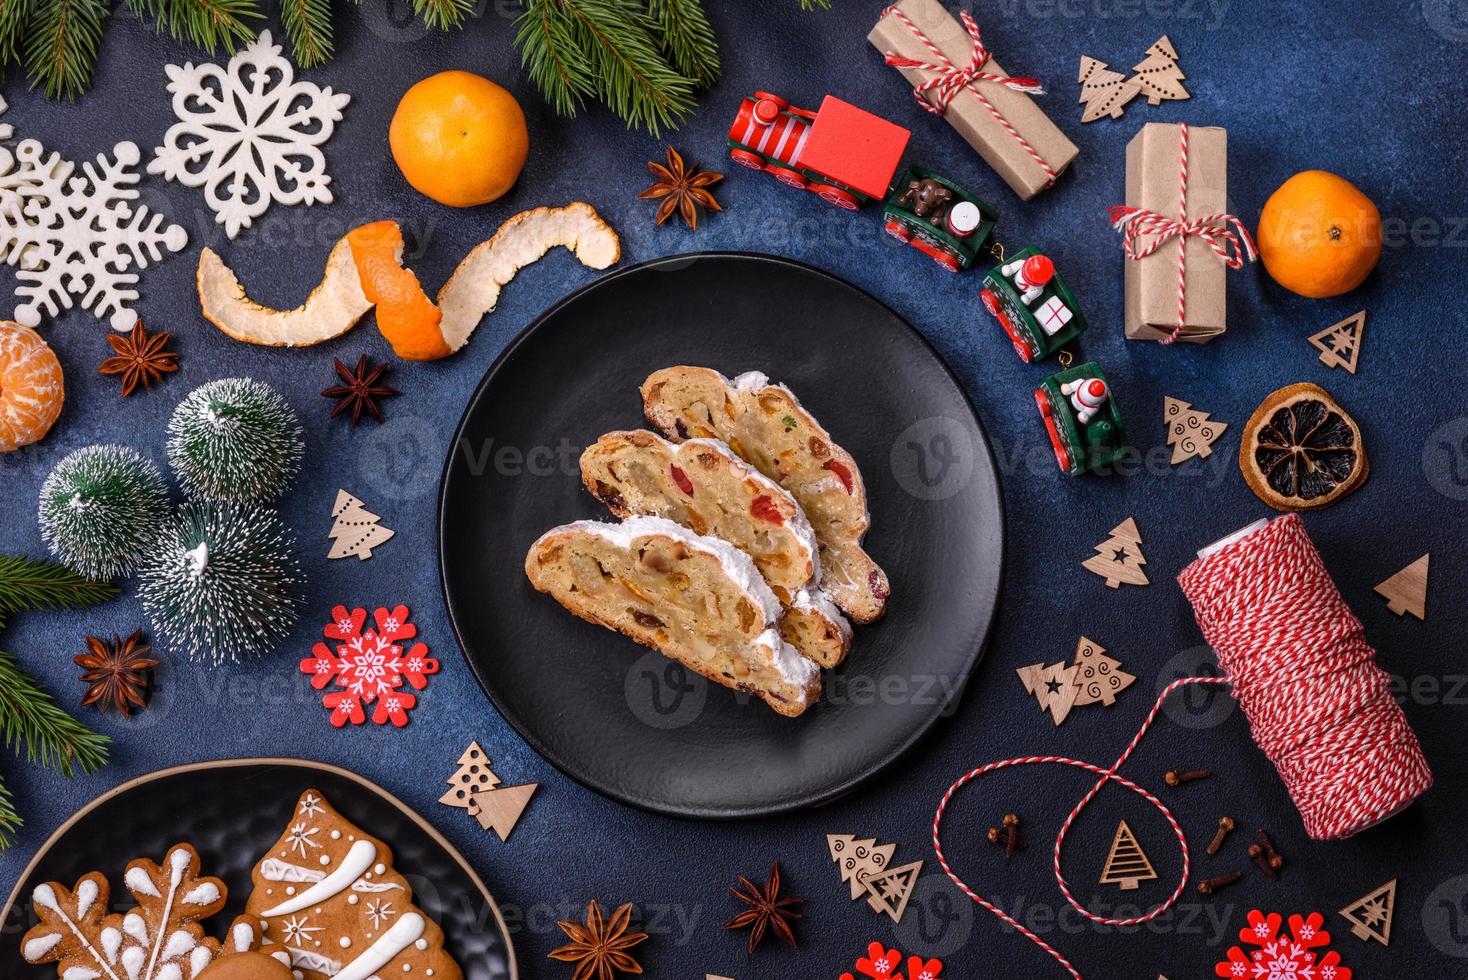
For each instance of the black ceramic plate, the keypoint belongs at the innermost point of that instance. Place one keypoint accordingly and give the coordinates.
(232, 811)
(620, 718)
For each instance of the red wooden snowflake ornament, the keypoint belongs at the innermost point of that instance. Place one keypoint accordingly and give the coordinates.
(369, 667)
(881, 963)
(1280, 955)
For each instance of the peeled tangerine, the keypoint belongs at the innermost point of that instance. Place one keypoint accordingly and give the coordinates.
(31, 388)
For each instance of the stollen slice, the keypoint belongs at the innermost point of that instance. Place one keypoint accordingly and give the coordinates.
(703, 486)
(766, 426)
(695, 599)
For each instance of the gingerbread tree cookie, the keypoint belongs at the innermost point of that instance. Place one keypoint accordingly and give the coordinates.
(327, 891)
(160, 939)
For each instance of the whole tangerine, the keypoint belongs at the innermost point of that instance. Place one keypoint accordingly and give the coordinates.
(31, 387)
(459, 138)
(1319, 235)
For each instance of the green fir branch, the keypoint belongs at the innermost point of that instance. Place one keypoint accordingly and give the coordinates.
(9, 817)
(551, 55)
(29, 718)
(443, 14)
(61, 46)
(688, 38)
(208, 24)
(814, 4)
(308, 25)
(14, 16)
(30, 583)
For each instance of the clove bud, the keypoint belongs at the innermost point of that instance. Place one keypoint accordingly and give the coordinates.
(1225, 827)
(1174, 777)
(1222, 881)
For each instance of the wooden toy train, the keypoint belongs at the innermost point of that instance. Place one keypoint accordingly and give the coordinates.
(848, 156)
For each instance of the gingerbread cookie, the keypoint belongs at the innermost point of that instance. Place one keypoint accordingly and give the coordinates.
(328, 893)
(251, 966)
(160, 939)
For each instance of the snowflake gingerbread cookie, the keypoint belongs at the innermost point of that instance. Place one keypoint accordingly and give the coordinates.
(249, 134)
(339, 907)
(370, 667)
(77, 238)
(1295, 954)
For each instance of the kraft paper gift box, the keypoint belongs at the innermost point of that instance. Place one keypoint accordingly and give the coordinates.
(1153, 173)
(983, 130)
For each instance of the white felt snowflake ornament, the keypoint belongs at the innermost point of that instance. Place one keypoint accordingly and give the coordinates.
(249, 134)
(77, 237)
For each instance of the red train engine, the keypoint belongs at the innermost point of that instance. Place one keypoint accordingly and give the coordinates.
(844, 154)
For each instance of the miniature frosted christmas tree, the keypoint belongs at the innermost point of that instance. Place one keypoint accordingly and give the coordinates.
(1098, 678)
(1340, 343)
(1104, 92)
(1189, 432)
(859, 859)
(473, 777)
(355, 529)
(234, 440)
(1158, 76)
(102, 509)
(1370, 915)
(1126, 865)
(1119, 558)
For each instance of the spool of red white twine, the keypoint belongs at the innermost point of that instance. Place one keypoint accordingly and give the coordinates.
(1297, 661)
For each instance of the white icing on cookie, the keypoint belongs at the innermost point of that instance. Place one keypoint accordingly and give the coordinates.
(273, 869)
(357, 861)
(403, 933)
(37, 948)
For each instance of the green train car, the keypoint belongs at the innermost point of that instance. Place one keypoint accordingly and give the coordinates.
(1082, 419)
(1033, 304)
(938, 218)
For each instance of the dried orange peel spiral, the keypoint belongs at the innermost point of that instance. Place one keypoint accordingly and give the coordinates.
(365, 269)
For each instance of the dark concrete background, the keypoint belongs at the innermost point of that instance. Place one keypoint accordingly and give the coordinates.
(1340, 87)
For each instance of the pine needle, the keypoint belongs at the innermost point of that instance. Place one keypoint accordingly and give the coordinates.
(688, 38)
(308, 25)
(550, 52)
(813, 4)
(61, 46)
(209, 24)
(443, 14)
(30, 583)
(9, 818)
(51, 737)
(14, 16)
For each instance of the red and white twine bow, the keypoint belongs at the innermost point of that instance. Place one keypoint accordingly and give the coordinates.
(937, 93)
(1223, 232)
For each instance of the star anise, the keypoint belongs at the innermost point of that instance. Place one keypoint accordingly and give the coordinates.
(767, 910)
(681, 189)
(599, 948)
(118, 672)
(360, 390)
(141, 358)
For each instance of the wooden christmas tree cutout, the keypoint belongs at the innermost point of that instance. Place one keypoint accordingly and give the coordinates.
(472, 778)
(1340, 343)
(1119, 558)
(1370, 915)
(1053, 687)
(1098, 678)
(859, 859)
(1406, 591)
(355, 530)
(1126, 865)
(1190, 432)
(1104, 92)
(500, 809)
(1158, 76)
(889, 891)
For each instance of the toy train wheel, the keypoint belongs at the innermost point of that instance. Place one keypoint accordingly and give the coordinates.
(779, 102)
(1048, 414)
(747, 159)
(898, 230)
(991, 303)
(1021, 346)
(787, 176)
(948, 261)
(836, 196)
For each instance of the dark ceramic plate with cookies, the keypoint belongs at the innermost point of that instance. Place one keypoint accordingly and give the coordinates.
(232, 812)
(619, 717)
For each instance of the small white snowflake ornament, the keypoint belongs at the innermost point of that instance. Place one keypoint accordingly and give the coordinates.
(248, 133)
(77, 237)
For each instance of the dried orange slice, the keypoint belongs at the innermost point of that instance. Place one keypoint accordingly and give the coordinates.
(31, 387)
(1301, 451)
(405, 315)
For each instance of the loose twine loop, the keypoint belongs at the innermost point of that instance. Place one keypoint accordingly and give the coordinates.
(1223, 232)
(1298, 663)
